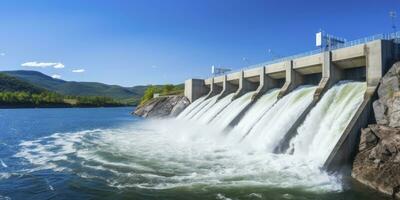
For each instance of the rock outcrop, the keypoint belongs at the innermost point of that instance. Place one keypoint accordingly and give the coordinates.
(162, 107)
(378, 162)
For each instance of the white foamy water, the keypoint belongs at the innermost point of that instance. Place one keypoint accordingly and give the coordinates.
(191, 107)
(5, 175)
(214, 110)
(4, 197)
(3, 164)
(254, 114)
(227, 115)
(326, 122)
(165, 154)
(273, 126)
(202, 108)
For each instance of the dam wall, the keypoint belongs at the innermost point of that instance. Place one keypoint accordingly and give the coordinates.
(366, 62)
(196, 88)
(379, 56)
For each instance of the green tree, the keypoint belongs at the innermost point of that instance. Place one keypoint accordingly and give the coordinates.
(167, 89)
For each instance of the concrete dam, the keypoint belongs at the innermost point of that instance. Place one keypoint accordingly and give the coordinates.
(312, 107)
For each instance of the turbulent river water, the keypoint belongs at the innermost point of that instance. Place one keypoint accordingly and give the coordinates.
(105, 153)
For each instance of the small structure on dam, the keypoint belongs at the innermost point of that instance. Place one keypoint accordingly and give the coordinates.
(365, 61)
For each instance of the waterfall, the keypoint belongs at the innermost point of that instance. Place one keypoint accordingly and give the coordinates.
(326, 122)
(227, 115)
(254, 114)
(215, 109)
(191, 107)
(272, 127)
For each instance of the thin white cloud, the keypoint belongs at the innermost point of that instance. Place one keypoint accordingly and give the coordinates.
(56, 76)
(154, 66)
(59, 66)
(2, 54)
(78, 70)
(43, 64)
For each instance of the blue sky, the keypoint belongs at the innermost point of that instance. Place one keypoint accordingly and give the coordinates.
(140, 42)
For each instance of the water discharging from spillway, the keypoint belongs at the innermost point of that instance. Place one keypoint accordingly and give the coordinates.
(254, 114)
(201, 108)
(227, 115)
(326, 122)
(266, 122)
(191, 107)
(215, 109)
(272, 127)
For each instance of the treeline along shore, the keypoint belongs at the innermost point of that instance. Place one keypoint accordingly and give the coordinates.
(17, 93)
(32, 89)
(52, 100)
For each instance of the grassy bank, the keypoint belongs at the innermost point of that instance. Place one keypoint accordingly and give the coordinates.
(164, 90)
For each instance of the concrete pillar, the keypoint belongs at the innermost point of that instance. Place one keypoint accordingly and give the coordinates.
(227, 88)
(214, 89)
(330, 75)
(379, 57)
(266, 83)
(244, 86)
(195, 88)
(293, 79)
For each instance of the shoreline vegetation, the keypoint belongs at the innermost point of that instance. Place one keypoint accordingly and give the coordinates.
(165, 90)
(53, 100)
(31, 89)
(57, 106)
(16, 93)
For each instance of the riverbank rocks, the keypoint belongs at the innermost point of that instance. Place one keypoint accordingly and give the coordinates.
(159, 107)
(378, 162)
(387, 107)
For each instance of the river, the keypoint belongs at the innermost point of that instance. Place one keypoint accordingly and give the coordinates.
(106, 153)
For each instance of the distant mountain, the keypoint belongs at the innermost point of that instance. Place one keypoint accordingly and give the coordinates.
(130, 94)
(12, 84)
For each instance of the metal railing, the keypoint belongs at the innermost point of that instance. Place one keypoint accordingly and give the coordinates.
(389, 36)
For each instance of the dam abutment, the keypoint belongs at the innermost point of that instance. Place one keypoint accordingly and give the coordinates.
(195, 88)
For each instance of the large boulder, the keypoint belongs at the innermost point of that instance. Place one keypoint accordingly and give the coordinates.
(179, 107)
(377, 163)
(162, 107)
(394, 111)
(387, 107)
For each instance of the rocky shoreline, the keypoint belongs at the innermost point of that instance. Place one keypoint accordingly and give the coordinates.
(377, 163)
(168, 106)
